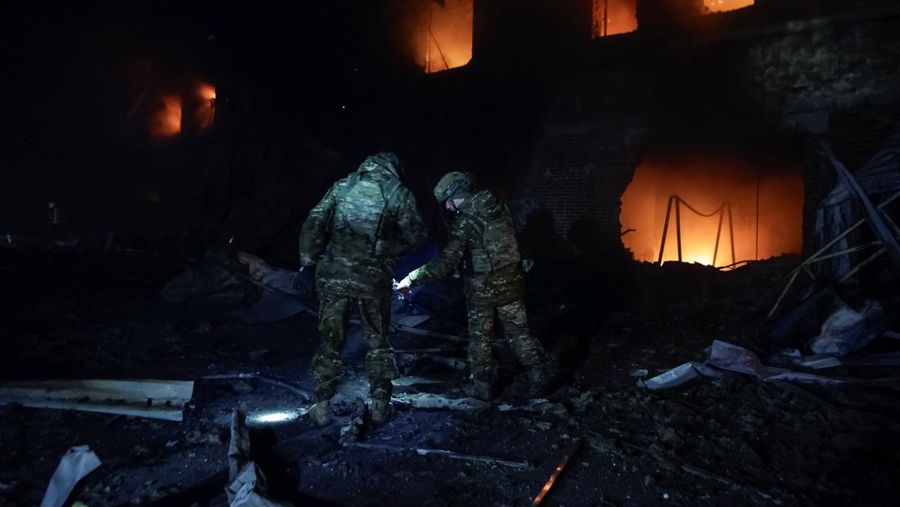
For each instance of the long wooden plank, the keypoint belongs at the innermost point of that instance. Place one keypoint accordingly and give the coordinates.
(158, 399)
(159, 391)
(162, 412)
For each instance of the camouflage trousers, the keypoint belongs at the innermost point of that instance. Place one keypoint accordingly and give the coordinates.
(326, 367)
(514, 322)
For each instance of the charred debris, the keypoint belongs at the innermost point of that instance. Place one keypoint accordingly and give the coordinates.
(706, 191)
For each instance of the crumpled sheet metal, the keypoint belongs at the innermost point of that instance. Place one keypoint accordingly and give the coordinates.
(75, 464)
(730, 357)
(846, 330)
(676, 377)
(245, 493)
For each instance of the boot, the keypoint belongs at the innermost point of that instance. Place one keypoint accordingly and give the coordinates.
(321, 413)
(380, 410)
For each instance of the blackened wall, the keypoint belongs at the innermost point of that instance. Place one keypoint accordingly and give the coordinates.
(524, 29)
(764, 79)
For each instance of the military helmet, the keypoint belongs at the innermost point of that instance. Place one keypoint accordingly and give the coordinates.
(453, 184)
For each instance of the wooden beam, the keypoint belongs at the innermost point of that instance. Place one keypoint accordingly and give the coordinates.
(157, 399)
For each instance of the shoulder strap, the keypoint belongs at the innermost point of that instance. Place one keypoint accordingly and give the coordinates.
(393, 188)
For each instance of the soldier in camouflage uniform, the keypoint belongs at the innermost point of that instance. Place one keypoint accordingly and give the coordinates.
(352, 237)
(482, 238)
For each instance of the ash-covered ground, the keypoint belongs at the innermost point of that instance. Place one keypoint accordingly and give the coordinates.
(732, 440)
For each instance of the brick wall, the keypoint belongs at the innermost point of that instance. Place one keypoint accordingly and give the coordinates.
(581, 171)
(839, 75)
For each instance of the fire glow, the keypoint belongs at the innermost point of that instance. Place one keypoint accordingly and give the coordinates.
(613, 17)
(766, 209)
(726, 5)
(173, 115)
(166, 120)
(444, 35)
(205, 114)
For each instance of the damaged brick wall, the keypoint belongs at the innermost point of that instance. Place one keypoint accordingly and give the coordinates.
(583, 170)
(833, 77)
(842, 69)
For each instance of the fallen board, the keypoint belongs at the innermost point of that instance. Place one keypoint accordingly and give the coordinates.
(157, 399)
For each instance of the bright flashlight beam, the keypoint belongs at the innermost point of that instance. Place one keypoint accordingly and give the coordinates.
(263, 417)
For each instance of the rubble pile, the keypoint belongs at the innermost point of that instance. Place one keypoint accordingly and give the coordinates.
(725, 436)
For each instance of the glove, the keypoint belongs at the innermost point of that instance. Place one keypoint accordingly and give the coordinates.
(403, 286)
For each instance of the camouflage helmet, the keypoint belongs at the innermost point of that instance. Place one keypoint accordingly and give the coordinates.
(453, 184)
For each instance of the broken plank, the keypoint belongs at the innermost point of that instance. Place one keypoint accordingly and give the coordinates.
(139, 391)
(153, 412)
(156, 399)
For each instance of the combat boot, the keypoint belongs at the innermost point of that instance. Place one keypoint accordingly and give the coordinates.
(380, 410)
(321, 412)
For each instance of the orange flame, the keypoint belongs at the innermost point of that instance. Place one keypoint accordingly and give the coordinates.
(166, 121)
(445, 35)
(205, 114)
(206, 91)
(727, 5)
(706, 184)
(613, 17)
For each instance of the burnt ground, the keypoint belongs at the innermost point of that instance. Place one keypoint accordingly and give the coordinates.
(733, 440)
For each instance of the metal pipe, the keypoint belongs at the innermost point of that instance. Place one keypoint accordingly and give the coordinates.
(718, 235)
(568, 454)
(662, 245)
(731, 232)
(758, 179)
(678, 225)
(876, 221)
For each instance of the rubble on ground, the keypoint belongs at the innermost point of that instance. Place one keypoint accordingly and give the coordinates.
(730, 438)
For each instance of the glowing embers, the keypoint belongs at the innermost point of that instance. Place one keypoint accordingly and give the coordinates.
(726, 5)
(613, 17)
(761, 203)
(444, 34)
(205, 113)
(165, 121)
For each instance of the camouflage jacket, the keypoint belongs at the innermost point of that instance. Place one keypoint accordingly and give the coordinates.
(350, 262)
(486, 283)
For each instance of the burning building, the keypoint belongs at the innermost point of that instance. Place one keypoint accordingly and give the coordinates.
(435, 34)
(167, 120)
(712, 210)
(705, 192)
(612, 17)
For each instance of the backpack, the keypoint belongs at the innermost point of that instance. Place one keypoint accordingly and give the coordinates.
(360, 212)
(499, 247)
